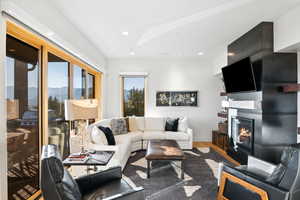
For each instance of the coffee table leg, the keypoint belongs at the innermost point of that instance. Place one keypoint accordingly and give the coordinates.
(148, 168)
(182, 170)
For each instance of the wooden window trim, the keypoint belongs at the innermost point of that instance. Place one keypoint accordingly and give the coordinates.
(121, 79)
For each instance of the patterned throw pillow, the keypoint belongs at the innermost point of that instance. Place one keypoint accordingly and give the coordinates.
(118, 126)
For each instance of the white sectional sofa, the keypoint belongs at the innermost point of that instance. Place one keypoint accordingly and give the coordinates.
(141, 130)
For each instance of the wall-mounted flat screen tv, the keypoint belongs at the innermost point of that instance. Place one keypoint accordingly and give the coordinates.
(239, 77)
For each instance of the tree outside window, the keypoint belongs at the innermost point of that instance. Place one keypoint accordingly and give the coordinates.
(134, 96)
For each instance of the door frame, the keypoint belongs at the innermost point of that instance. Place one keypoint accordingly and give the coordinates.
(44, 46)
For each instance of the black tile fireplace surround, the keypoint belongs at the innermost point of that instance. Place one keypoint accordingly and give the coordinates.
(263, 131)
(275, 116)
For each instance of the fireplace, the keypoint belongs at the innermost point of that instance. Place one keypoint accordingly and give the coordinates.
(242, 138)
(242, 133)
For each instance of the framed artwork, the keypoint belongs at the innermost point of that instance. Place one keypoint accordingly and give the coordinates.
(177, 98)
(163, 99)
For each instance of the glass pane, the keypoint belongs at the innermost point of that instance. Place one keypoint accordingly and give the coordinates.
(22, 86)
(134, 96)
(79, 83)
(58, 87)
(91, 86)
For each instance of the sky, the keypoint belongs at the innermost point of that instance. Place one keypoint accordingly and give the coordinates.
(57, 74)
(129, 83)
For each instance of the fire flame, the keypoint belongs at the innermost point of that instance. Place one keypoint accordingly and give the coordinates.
(245, 132)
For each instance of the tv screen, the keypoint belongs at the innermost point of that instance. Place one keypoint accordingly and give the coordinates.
(239, 77)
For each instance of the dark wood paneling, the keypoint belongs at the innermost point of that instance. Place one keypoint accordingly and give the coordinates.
(257, 42)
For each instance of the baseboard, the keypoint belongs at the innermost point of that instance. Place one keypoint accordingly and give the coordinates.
(217, 149)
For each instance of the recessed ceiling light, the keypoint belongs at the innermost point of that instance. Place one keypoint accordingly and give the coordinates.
(125, 33)
(200, 53)
(132, 53)
(230, 54)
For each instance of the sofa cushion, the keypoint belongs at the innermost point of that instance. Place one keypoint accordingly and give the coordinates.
(135, 136)
(108, 134)
(118, 126)
(97, 136)
(183, 124)
(120, 139)
(152, 135)
(130, 136)
(179, 136)
(140, 122)
(154, 123)
(171, 124)
(136, 124)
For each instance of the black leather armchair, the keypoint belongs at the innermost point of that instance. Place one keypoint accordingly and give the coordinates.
(260, 180)
(58, 184)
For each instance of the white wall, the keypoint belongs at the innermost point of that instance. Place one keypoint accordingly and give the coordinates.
(220, 60)
(43, 17)
(183, 74)
(287, 31)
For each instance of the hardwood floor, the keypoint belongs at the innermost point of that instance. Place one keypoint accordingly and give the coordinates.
(217, 149)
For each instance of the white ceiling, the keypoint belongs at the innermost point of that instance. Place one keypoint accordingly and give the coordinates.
(167, 28)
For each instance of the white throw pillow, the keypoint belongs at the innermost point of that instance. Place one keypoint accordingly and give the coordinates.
(140, 123)
(183, 124)
(132, 124)
(98, 137)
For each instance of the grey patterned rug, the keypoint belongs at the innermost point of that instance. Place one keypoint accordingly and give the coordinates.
(200, 181)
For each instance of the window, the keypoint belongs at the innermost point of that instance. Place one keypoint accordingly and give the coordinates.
(58, 92)
(91, 86)
(133, 96)
(23, 134)
(79, 82)
(35, 92)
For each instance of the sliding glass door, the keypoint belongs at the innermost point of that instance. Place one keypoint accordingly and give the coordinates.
(79, 82)
(23, 134)
(58, 92)
(91, 86)
(39, 77)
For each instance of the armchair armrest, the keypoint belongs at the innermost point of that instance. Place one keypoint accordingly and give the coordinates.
(93, 181)
(274, 193)
(261, 165)
(128, 194)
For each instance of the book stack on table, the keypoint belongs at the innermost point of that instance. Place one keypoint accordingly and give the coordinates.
(94, 158)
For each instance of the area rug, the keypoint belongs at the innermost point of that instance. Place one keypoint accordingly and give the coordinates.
(200, 181)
